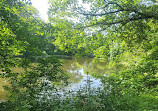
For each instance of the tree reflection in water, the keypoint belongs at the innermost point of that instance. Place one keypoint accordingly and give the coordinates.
(78, 69)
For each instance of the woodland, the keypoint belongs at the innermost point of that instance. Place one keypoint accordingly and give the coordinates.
(124, 33)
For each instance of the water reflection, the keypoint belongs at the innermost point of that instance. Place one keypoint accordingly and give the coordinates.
(81, 70)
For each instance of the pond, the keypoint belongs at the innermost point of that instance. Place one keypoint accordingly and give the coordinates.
(80, 71)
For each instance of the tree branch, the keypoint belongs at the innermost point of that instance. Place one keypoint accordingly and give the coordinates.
(116, 22)
(101, 14)
(115, 4)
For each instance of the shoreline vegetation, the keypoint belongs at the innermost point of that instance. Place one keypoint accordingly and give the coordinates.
(99, 99)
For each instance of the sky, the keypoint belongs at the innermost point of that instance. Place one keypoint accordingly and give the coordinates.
(42, 6)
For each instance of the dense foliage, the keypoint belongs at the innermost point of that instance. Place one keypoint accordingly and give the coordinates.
(121, 32)
(23, 43)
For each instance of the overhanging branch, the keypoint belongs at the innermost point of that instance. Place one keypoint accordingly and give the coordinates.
(101, 14)
(114, 3)
(116, 22)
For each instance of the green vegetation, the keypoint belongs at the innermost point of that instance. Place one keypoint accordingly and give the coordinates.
(121, 32)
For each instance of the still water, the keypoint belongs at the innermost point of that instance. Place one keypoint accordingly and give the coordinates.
(80, 71)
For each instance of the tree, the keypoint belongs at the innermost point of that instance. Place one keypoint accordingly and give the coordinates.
(125, 20)
(107, 16)
(23, 39)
